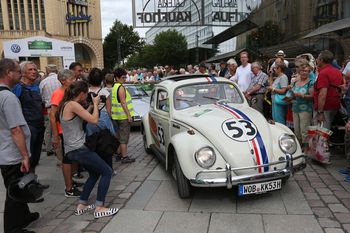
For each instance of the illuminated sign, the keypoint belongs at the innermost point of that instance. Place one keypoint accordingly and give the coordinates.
(78, 2)
(40, 45)
(81, 18)
(179, 13)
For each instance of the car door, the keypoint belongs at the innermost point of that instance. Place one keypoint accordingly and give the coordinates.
(160, 117)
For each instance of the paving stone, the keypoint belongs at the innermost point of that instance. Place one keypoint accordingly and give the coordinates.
(308, 189)
(324, 191)
(119, 200)
(329, 199)
(316, 203)
(143, 195)
(299, 177)
(342, 194)
(44, 229)
(174, 222)
(338, 208)
(124, 195)
(95, 226)
(71, 227)
(235, 223)
(213, 200)
(322, 212)
(314, 179)
(132, 221)
(269, 203)
(333, 230)
(346, 202)
(328, 222)
(346, 227)
(291, 224)
(336, 187)
(159, 173)
(65, 214)
(294, 200)
(318, 185)
(311, 196)
(118, 187)
(132, 187)
(166, 198)
(343, 217)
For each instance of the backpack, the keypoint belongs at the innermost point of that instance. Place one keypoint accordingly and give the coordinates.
(103, 143)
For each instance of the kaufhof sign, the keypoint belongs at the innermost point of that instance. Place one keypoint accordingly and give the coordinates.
(181, 13)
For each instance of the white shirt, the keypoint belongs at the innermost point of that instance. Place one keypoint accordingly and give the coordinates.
(47, 86)
(243, 76)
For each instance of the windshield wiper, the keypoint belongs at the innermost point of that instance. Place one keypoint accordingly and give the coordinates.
(209, 97)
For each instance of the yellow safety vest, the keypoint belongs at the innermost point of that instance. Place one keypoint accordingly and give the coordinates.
(117, 109)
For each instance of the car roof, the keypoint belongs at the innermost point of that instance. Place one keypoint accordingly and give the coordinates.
(180, 80)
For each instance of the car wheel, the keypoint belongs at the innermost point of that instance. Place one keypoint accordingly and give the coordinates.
(285, 179)
(183, 185)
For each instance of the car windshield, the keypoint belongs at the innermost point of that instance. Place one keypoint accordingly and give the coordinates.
(136, 91)
(200, 94)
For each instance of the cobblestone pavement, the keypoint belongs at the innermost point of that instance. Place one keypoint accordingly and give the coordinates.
(315, 200)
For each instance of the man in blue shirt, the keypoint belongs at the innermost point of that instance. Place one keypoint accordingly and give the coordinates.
(28, 92)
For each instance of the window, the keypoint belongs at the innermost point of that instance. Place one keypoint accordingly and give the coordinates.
(152, 99)
(36, 12)
(15, 9)
(23, 17)
(1, 20)
(30, 15)
(163, 101)
(42, 9)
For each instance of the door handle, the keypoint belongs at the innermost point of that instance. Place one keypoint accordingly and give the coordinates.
(176, 126)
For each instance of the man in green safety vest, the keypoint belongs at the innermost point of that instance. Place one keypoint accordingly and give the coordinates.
(122, 113)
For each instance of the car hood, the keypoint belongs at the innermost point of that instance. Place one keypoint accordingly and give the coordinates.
(141, 106)
(238, 132)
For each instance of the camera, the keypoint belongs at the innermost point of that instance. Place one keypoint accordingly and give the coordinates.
(89, 98)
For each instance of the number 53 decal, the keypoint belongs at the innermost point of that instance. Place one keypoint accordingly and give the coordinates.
(239, 130)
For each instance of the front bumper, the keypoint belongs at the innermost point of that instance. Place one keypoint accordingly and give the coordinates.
(203, 178)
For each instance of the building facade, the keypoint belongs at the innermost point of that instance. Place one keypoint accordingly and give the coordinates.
(76, 21)
(297, 18)
(196, 34)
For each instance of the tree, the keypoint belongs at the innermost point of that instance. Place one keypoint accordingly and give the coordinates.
(170, 47)
(120, 42)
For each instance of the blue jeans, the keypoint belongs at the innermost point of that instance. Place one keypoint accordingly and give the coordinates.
(96, 167)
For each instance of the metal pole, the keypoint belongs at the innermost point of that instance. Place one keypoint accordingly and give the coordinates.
(133, 13)
(197, 48)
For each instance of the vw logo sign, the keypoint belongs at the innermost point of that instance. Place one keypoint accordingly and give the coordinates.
(15, 48)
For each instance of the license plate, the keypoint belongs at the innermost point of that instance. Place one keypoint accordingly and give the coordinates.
(245, 189)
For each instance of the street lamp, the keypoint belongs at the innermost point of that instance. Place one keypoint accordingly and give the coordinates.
(197, 48)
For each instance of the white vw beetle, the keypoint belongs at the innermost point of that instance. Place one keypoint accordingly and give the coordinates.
(204, 131)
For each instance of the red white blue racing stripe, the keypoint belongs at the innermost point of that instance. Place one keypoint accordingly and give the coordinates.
(257, 142)
(211, 79)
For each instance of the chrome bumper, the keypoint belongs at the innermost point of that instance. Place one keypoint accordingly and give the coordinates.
(230, 180)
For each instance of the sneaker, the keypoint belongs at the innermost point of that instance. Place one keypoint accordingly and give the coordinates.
(49, 153)
(74, 192)
(108, 212)
(127, 159)
(77, 184)
(118, 158)
(114, 172)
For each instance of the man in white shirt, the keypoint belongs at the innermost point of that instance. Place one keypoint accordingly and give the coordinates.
(47, 87)
(244, 72)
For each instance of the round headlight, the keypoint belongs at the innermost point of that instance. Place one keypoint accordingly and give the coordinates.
(288, 144)
(205, 157)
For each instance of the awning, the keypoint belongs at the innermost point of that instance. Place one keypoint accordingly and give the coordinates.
(224, 56)
(330, 27)
(237, 29)
(291, 49)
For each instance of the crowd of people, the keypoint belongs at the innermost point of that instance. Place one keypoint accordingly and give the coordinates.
(60, 109)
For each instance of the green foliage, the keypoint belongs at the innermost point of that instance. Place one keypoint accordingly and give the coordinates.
(169, 48)
(129, 40)
(267, 35)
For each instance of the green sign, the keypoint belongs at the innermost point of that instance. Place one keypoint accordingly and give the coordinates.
(40, 45)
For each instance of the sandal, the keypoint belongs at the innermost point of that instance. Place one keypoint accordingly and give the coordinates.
(108, 212)
(78, 212)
